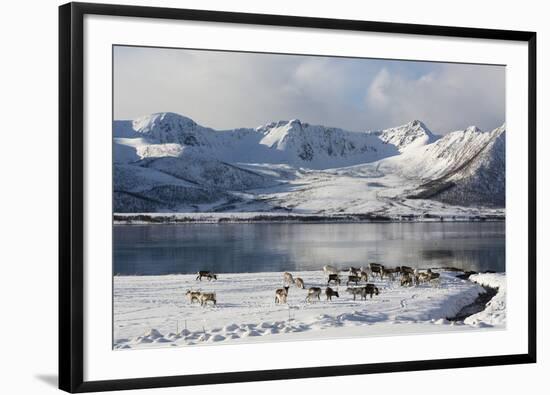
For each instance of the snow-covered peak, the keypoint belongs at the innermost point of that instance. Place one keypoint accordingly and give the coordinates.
(148, 123)
(446, 155)
(410, 135)
(317, 146)
(169, 127)
(277, 134)
(417, 124)
(475, 174)
(472, 129)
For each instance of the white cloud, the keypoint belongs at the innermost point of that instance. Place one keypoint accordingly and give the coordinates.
(227, 90)
(450, 98)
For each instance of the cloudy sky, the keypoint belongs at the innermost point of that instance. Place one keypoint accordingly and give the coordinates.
(225, 90)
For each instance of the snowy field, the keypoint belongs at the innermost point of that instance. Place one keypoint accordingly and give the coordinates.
(152, 311)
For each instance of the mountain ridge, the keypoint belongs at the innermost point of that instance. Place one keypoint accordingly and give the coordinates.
(296, 166)
(296, 142)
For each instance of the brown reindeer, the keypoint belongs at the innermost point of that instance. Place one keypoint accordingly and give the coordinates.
(376, 268)
(387, 272)
(357, 291)
(371, 289)
(333, 278)
(330, 293)
(353, 279)
(300, 283)
(432, 276)
(354, 271)
(206, 297)
(281, 295)
(406, 279)
(364, 276)
(205, 273)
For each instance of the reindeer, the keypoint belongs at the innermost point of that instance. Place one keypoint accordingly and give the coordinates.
(281, 295)
(353, 279)
(364, 276)
(387, 273)
(406, 279)
(206, 297)
(407, 270)
(335, 278)
(300, 283)
(193, 296)
(330, 293)
(397, 271)
(376, 268)
(424, 277)
(371, 289)
(287, 278)
(205, 273)
(354, 271)
(313, 292)
(433, 277)
(420, 277)
(328, 269)
(357, 291)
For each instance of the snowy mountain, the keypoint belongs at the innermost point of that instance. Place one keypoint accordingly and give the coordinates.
(480, 177)
(320, 147)
(167, 162)
(290, 142)
(414, 134)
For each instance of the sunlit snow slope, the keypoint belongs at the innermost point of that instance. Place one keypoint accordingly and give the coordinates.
(166, 162)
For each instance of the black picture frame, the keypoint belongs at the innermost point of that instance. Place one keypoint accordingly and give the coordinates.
(71, 196)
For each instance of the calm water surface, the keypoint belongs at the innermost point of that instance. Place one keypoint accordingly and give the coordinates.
(233, 248)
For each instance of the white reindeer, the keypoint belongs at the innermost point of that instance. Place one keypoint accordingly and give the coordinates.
(313, 292)
(193, 296)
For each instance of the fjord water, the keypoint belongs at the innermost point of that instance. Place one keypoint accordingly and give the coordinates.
(270, 247)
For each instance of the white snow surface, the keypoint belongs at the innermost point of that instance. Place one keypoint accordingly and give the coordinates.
(494, 313)
(152, 311)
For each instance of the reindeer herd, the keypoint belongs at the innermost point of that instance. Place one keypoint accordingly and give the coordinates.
(355, 276)
(406, 275)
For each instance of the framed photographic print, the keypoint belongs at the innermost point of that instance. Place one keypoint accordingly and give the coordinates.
(250, 197)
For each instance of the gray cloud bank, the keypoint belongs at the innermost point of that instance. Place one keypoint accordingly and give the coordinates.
(227, 90)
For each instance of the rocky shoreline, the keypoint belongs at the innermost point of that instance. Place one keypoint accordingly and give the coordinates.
(142, 219)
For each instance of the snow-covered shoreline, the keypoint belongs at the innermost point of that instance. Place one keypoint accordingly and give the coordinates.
(152, 311)
(494, 313)
(273, 217)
